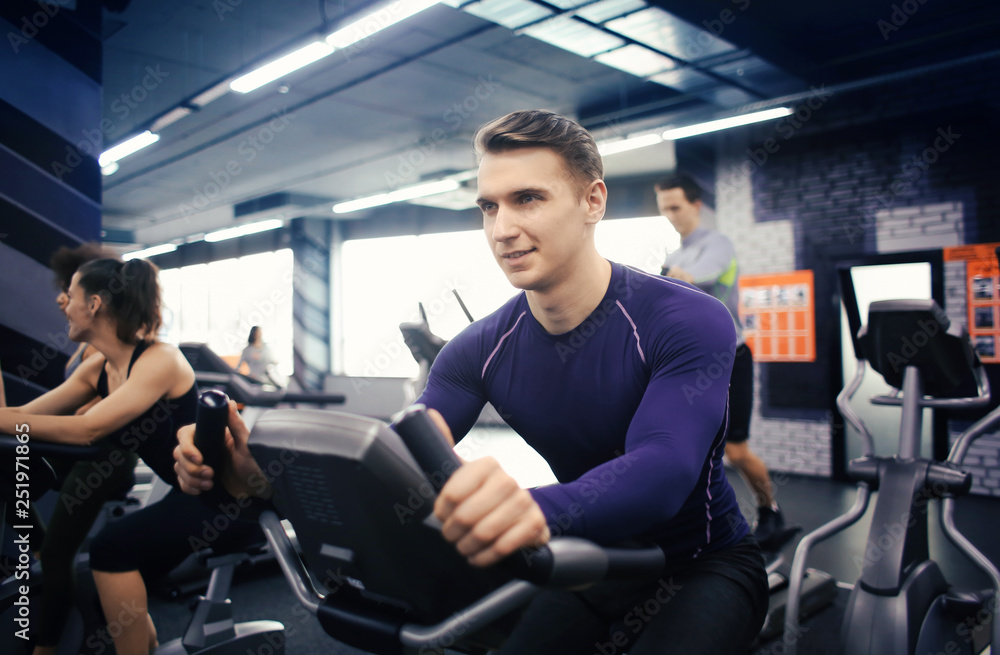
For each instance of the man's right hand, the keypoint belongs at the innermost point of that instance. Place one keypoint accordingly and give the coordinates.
(241, 477)
(484, 512)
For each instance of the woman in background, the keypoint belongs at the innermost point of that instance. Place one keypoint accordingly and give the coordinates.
(257, 356)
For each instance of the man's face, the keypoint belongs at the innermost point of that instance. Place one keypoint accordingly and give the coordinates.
(535, 216)
(683, 215)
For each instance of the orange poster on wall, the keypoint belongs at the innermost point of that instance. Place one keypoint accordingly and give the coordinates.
(778, 315)
(982, 278)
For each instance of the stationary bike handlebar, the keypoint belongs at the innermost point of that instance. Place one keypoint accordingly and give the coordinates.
(565, 562)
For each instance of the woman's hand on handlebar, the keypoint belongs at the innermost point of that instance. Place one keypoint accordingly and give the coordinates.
(241, 477)
(485, 512)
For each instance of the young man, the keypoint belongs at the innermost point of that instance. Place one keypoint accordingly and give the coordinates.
(596, 365)
(707, 260)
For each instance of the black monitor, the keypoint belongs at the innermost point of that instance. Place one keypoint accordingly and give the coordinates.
(361, 506)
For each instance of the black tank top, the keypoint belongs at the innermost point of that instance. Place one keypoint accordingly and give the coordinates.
(153, 435)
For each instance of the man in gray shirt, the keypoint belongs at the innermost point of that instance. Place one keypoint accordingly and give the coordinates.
(707, 260)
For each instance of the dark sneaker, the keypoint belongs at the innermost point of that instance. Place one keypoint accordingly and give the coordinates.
(771, 532)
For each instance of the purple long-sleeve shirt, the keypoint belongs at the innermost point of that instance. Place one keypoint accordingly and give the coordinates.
(629, 409)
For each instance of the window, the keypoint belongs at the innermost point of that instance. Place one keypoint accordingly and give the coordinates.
(218, 303)
(384, 279)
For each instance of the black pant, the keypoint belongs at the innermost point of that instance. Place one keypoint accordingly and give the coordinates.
(740, 395)
(87, 486)
(157, 538)
(713, 605)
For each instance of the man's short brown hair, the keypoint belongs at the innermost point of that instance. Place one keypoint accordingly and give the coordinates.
(536, 128)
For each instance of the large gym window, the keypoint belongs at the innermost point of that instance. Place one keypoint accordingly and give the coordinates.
(218, 303)
(384, 279)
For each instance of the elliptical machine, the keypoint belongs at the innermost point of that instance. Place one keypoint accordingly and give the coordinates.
(901, 604)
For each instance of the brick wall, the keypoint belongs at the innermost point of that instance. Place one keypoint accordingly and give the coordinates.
(903, 167)
(799, 446)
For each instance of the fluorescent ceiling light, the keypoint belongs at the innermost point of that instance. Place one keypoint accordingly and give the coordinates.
(637, 60)
(663, 31)
(457, 200)
(150, 252)
(462, 176)
(407, 193)
(169, 118)
(110, 169)
(568, 4)
(726, 123)
(210, 94)
(575, 36)
(683, 79)
(243, 230)
(624, 145)
(377, 21)
(605, 10)
(361, 203)
(512, 14)
(126, 148)
(281, 67)
(421, 190)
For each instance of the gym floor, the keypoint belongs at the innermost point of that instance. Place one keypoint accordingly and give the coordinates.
(260, 592)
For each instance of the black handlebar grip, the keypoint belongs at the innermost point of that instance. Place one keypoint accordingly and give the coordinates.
(427, 445)
(438, 461)
(210, 428)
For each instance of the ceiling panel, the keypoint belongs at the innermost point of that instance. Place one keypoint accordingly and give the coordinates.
(402, 105)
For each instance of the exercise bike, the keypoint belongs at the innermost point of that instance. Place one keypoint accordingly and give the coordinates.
(373, 566)
(902, 604)
(26, 476)
(211, 629)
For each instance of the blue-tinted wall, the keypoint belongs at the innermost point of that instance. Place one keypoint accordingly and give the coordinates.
(50, 183)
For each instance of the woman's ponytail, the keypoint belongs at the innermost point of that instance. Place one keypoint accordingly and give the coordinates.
(131, 293)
